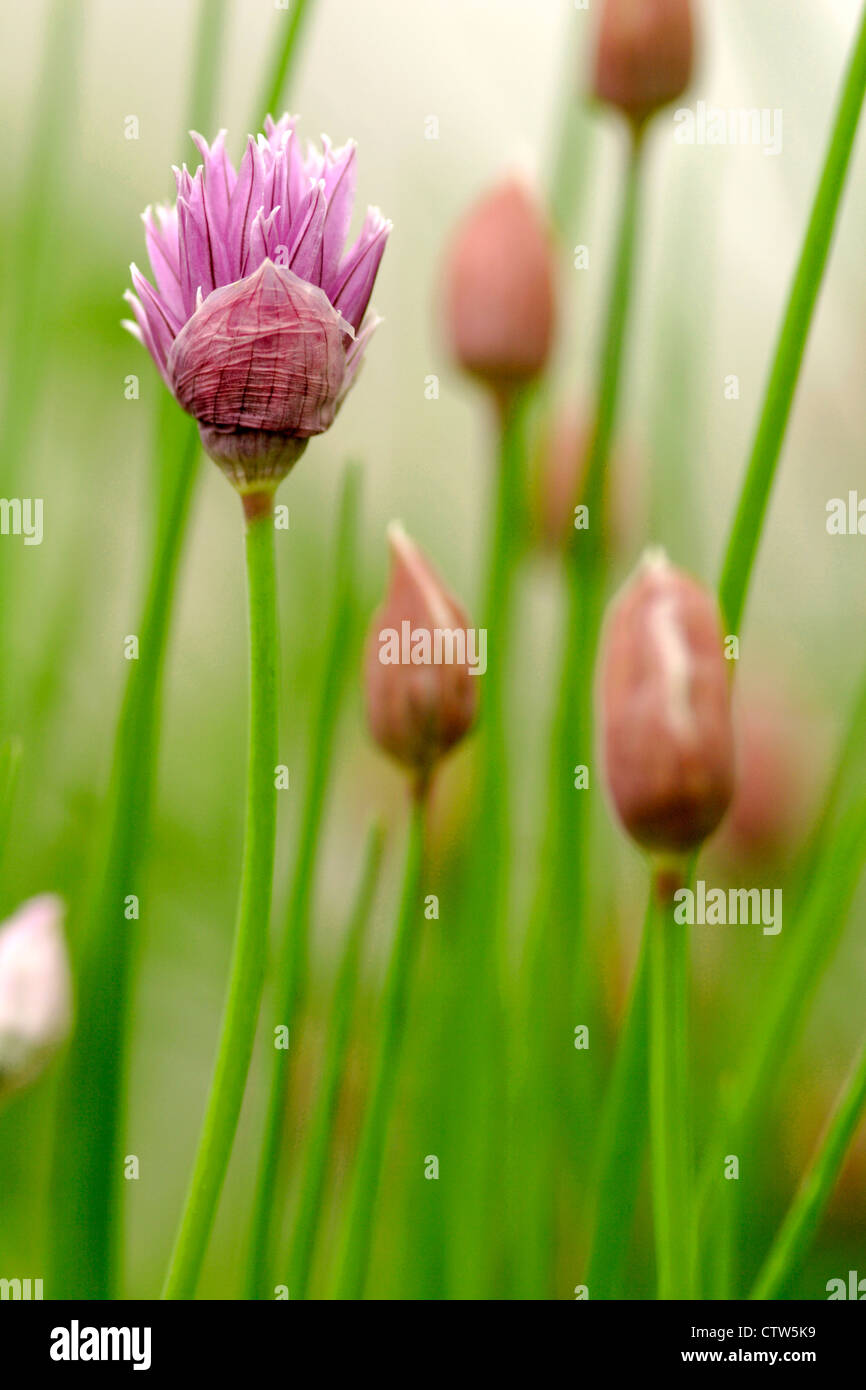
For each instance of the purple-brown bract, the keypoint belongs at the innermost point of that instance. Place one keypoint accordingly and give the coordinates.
(259, 319)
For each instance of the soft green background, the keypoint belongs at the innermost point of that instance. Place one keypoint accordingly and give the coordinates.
(721, 232)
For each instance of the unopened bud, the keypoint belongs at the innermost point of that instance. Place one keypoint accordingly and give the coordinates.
(559, 480)
(499, 288)
(35, 991)
(421, 695)
(774, 776)
(665, 710)
(645, 53)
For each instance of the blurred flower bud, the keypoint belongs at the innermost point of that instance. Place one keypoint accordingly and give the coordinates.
(645, 53)
(559, 472)
(767, 815)
(422, 664)
(665, 710)
(499, 288)
(35, 991)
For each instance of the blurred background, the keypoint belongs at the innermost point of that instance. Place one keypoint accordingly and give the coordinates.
(719, 237)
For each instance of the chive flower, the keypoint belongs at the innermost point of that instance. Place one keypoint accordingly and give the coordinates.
(35, 990)
(258, 318)
(667, 729)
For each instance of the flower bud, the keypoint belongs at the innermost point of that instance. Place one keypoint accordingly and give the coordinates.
(559, 477)
(261, 366)
(644, 56)
(768, 813)
(499, 288)
(665, 710)
(35, 992)
(421, 694)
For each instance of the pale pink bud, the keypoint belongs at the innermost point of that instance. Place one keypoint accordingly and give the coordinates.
(645, 53)
(499, 288)
(421, 695)
(665, 709)
(261, 364)
(559, 469)
(35, 991)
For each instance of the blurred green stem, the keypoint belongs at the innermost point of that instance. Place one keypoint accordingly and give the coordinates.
(622, 1138)
(805, 1213)
(291, 974)
(251, 939)
(355, 1254)
(754, 497)
(86, 1184)
(804, 951)
(314, 1167)
(669, 1099)
(568, 869)
(284, 63)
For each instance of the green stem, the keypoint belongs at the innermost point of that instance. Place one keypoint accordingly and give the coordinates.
(754, 497)
(355, 1255)
(280, 74)
(806, 1211)
(208, 47)
(86, 1187)
(251, 938)
(622, 1139)
(505, 546)
(10, 760)
(570, 809)
(669, 1103)
(314, 1167)
(805, 952)
(291, 972)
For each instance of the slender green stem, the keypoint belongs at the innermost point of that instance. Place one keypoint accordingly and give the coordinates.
(291, 974)
(754, 497)
(355, 1254)
(622, 1139)
(279, 77)
(505, 546)
(86, 1185)
(806, 1211)
(208, 48)
(10, 760)
(570, 809)
(669, 1103)
(251, 938)
(319, 1146)
(805, 952)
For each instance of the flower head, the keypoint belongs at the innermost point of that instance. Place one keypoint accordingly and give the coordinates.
(421, 695)
(665, 710)
(258, 317)
(645, 53)
(35, 991)
(499, 288)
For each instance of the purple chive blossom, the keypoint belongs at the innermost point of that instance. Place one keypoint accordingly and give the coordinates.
(258, 321)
